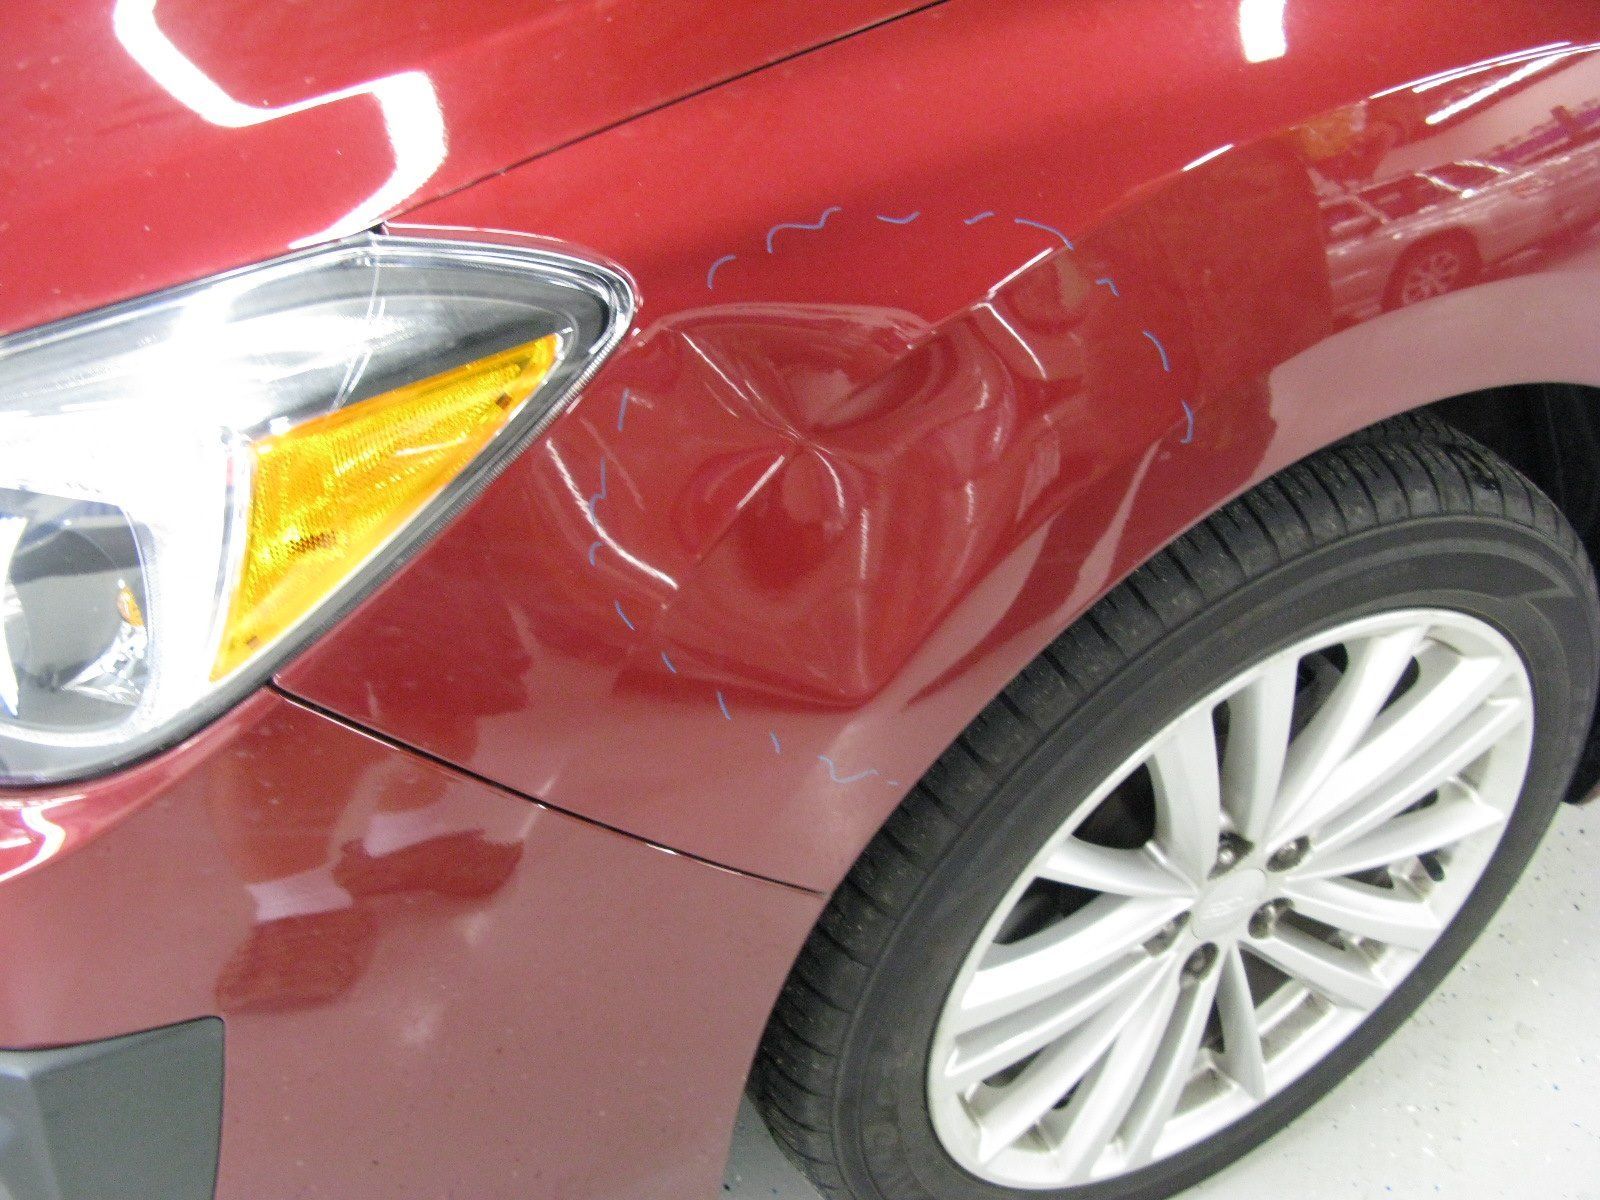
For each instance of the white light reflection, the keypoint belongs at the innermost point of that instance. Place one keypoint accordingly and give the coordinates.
(1261, 30)
(583, 502)
(1208, 156)
(51, 836)
(1020, 271)
(410, 107)
(766, 476)
(1429, 82)
(716, 370)
(1016, 336)
(11, 531)
(1526, 71)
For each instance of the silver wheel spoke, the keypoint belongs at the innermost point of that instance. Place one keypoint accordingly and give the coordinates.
(1443, 823)
(1014, 976)
(991, 1048)
(1426, 716)
(1106, 869)
(1438, 765)
(1074, 1044)
(1171, 1070)
(1188, 794)
(1344, 977)
(1099, 1106)
(1258, 740)
(1375, 667)
(1243, 1057)
(1367, 911)
(1020, 1106)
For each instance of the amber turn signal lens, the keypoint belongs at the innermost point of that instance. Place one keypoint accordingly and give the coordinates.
(327, 494)
(219, 467)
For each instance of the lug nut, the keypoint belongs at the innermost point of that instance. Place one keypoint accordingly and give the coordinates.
(1167, 934)
(1431, 864)
(1231, 850)
(1201, 961)
(1265, 918)
(1289, 855)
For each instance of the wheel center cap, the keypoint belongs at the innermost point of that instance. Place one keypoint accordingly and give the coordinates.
(1228, 903)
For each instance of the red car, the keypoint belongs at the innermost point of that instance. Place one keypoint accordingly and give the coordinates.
(551, 552)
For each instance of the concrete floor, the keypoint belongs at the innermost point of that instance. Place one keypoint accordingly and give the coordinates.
(1491, 1090)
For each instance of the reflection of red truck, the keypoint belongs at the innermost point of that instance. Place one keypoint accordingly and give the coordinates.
(536, 572)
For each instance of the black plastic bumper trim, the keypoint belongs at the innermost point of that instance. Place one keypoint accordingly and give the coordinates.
(129, 1118)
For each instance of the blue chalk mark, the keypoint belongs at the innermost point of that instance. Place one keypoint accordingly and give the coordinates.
(592, 548)
(1166, 363)
(973, 220)
(600, 495)
(618, 605)
(1065, 240)
(1188, 412)
(711, 275)
(777, 746)
(891, 783)
(833, 772)
(622, 410)
(817, 224)
(723, 705)
(668, 661)
(900, 220)
(1110, 283)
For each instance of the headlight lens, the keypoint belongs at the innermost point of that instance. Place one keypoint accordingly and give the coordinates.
(191, 482)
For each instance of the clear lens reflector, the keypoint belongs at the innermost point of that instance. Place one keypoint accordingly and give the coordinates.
(189, 481)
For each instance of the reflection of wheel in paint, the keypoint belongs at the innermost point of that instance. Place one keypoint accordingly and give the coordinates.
(1431, 269)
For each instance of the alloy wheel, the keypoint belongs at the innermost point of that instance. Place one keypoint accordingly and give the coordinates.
(1435, 273)
(1222, 911)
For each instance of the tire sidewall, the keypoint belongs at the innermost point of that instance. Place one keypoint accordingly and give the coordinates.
(1496, 570)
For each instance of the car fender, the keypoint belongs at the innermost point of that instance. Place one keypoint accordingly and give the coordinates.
(920, 374)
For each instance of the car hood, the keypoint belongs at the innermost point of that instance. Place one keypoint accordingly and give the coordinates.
(149, 142)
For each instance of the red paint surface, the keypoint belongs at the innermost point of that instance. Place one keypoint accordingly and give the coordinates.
(857, 484)
(864, 478)
(462, 1029)
(116, 177)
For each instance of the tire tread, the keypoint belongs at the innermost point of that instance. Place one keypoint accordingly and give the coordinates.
(1413, 467)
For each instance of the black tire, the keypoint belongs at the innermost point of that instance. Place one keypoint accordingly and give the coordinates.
(1408, 513)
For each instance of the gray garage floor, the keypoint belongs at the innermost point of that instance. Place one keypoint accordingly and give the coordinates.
(1491, 1090)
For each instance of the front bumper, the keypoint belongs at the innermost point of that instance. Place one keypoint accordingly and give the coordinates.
(128, 1118)
(526, 1004)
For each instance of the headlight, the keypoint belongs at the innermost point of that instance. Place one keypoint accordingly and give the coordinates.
(191, 482)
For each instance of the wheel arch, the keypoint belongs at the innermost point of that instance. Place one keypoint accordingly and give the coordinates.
(1502, 362)
(1242, 389)
(1380, 485)
(1551, 433)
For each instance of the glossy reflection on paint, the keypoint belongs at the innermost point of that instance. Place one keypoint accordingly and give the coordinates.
(832, 518)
